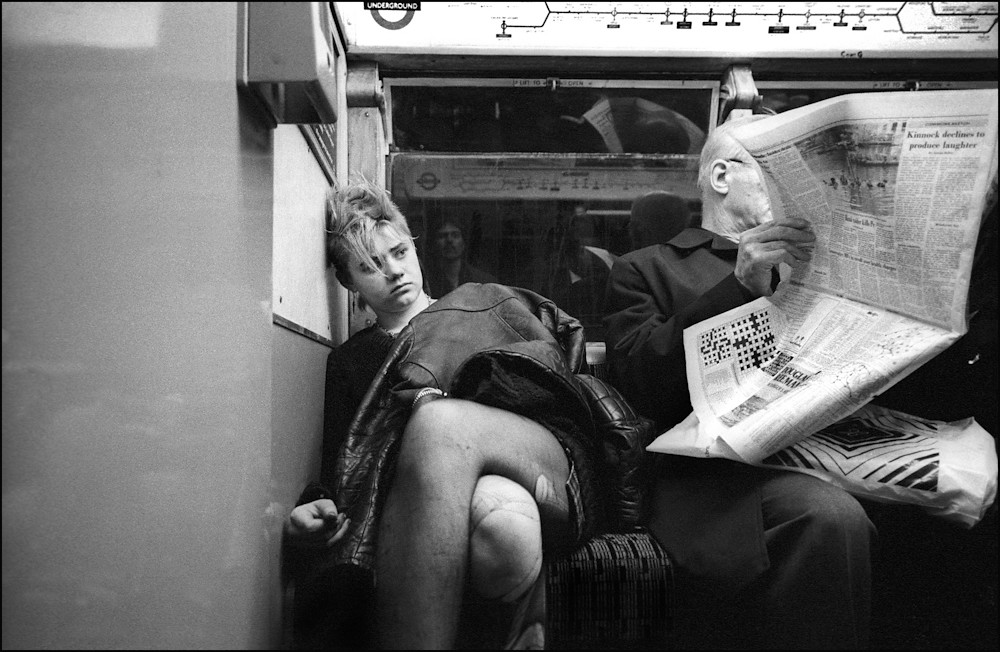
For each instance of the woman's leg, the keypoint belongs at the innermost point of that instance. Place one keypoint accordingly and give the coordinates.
(505, 539)
(423, 541)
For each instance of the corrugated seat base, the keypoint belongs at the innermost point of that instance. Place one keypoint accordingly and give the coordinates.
(616, 592)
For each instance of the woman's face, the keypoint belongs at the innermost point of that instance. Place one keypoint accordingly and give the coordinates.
(391, 286)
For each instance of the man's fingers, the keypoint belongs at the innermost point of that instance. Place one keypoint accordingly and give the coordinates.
(773, 252)
(771, 233)
(797, 253)
(792, 222)
(793, 229)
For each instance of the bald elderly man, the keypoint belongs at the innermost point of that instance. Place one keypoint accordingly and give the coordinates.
(765, 558)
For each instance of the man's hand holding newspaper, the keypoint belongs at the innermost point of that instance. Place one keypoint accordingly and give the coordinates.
(894, 186)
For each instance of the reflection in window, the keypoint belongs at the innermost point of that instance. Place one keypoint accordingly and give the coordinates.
(562, 249)
(534, 187)
(539, 119)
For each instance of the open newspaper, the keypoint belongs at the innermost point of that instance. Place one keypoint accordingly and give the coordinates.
(894, 185)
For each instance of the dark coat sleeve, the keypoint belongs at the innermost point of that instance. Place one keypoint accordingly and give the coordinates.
(350, 369)
(705, 512)
(651, 300)
(338, 409)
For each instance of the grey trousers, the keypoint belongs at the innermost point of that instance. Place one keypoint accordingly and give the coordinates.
(765, 559)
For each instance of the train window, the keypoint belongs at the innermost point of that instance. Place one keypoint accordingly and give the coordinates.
(549, 115)
(531, 182)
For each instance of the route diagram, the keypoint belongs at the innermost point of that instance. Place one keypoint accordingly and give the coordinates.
(911, 17)
(683, 29)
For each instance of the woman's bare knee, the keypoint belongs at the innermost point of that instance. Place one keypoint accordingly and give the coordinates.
(454, 434)
(437, 422)
(505, 544)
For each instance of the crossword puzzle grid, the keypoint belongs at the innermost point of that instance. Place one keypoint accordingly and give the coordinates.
(750, 337)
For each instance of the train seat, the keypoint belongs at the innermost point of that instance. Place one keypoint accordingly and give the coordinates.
(617, 590)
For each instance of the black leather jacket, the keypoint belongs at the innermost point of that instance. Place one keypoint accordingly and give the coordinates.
(494, 344)
(506, 347)
(498, 345)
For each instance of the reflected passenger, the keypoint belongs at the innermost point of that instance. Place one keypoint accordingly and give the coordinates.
(447, 267)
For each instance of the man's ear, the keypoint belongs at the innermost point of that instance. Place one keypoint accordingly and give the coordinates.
(718, 177)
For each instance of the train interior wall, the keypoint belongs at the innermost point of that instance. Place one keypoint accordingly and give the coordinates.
(157, 425)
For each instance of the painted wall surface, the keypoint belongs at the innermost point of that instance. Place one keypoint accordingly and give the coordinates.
(142, 502)
(304, 287)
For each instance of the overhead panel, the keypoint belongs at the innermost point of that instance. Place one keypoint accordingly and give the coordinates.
(694, 29)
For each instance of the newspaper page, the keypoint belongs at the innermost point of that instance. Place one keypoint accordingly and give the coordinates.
(894, 185)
